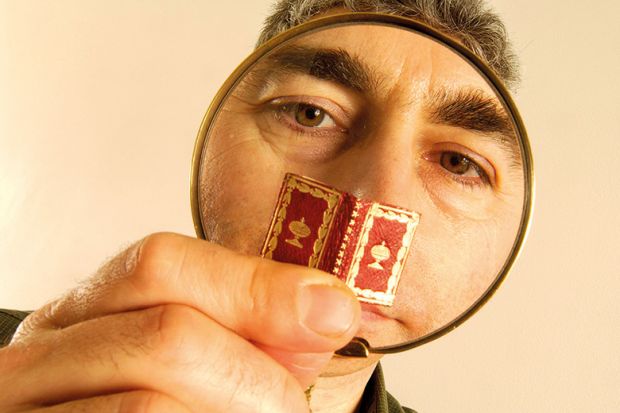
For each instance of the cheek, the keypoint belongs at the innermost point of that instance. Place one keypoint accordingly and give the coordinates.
(450, 266)
(239, 183)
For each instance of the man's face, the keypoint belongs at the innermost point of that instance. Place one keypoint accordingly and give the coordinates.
(390, 116)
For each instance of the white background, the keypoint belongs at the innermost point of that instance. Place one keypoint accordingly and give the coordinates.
(99, 105)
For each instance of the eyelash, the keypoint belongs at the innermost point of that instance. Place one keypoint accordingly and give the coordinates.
(282, 108)
(483, 180)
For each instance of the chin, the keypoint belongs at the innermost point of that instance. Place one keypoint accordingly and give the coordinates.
(381, 330)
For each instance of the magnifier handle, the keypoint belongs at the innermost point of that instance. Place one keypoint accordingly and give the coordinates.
(357, 347)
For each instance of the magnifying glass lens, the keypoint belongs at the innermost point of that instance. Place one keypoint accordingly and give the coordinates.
(377, 152)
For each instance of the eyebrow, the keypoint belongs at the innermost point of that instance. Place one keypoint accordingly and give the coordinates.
(473, 110)
(335, 65)
(470, 109)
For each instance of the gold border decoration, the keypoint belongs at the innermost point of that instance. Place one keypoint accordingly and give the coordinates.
(307, 186)
(392, 214)
(275, 228)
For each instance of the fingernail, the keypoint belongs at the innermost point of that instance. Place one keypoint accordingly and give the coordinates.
(326, 310)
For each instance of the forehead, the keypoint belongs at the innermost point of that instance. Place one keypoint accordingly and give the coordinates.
(400, 59)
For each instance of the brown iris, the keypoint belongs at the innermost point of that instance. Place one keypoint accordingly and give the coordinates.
(308, 115)
(456, 163)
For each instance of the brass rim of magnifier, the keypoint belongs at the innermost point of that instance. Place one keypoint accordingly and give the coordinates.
(344, 19)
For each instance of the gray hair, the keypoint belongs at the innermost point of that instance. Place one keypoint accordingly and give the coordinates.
(469, 21)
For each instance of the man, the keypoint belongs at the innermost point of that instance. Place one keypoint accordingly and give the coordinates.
(177, 324)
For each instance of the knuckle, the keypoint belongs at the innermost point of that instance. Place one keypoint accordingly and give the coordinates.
(267, 291)
(174, 336)
(152, 248)
(158, 257)
(258, 290)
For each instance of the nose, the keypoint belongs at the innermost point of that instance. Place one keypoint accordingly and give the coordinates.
(380, 165)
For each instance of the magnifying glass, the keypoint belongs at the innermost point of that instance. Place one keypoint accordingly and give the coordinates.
(377, 149)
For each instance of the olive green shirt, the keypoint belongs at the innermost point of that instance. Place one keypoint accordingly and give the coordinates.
(375, 399)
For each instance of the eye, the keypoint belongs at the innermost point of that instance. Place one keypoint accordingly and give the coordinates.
(308, 116)
(462, 166)
(459, 164)
(307, 128)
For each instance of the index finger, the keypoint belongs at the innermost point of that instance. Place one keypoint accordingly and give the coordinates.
(281, 305)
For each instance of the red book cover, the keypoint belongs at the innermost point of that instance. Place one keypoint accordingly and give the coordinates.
(363, 243)
(301, 223)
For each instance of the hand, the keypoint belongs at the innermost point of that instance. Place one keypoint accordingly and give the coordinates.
(175, 324)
